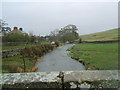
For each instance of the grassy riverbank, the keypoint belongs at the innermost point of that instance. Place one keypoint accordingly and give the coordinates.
(26, 60)
(12, 63)
(96, 56)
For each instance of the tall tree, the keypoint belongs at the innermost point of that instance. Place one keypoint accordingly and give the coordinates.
(68, 33)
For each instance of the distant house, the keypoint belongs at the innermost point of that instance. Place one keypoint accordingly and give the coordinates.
(53, 42)
(67, 42)
(16, 31)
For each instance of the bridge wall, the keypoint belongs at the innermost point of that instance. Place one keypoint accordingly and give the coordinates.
(61, 80)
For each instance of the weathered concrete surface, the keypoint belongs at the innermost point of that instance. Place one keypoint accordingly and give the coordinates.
(63, 80)
(31, 80)
(94, 75)
(91, 79)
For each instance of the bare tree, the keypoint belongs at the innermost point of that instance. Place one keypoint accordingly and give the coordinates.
(54, 35)
(4, 28)
(2, 23)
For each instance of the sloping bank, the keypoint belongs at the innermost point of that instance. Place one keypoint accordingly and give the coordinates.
(96, 56)
(25, 61)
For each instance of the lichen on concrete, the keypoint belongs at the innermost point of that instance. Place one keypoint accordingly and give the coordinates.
(92, 79)
(30, 77)
(69, 79)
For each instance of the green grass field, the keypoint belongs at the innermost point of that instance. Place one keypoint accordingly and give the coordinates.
(21, 46)
(10, 64)
(102, 56)
(100, 36)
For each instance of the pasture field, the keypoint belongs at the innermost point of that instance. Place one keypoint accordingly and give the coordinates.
(96, 56)
(102, 36)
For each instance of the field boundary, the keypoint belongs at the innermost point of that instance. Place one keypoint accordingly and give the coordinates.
(107, 41)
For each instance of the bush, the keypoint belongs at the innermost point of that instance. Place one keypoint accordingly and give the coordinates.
(16, 38)
(37, 50)
(57, 44)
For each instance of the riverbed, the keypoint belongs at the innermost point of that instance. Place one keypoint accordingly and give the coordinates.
(58, 60)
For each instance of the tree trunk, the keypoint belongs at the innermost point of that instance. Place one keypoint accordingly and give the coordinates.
(24, 64)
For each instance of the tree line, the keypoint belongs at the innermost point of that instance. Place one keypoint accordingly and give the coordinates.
(66, 34)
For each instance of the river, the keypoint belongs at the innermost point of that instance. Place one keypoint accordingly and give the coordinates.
(58, 60)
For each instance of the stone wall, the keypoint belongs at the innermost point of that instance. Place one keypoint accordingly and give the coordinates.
(13, 43)
(107, 41)
(10, 53)
(61, 80)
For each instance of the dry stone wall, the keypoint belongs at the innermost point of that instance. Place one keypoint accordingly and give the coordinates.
(10, 53)
(108, 41)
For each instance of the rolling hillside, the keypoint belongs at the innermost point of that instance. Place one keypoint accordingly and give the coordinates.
(101, 36)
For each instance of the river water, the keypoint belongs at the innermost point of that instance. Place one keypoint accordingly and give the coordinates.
(58, 60)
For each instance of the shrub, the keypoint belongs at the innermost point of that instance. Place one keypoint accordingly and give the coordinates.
(16, 38)
(34, 52)
(57, 44)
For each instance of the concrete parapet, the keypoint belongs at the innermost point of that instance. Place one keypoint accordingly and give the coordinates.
(61, 80)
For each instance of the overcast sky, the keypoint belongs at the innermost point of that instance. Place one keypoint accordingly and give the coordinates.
(42, 17)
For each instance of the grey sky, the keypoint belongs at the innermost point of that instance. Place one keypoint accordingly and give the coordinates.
(43, 17)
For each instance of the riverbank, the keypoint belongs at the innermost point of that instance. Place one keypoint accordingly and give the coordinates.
(96, 56)
(25, 62)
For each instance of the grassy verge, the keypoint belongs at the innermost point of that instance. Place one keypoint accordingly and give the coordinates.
(25, 62)
(12, 63)
(96, 56)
